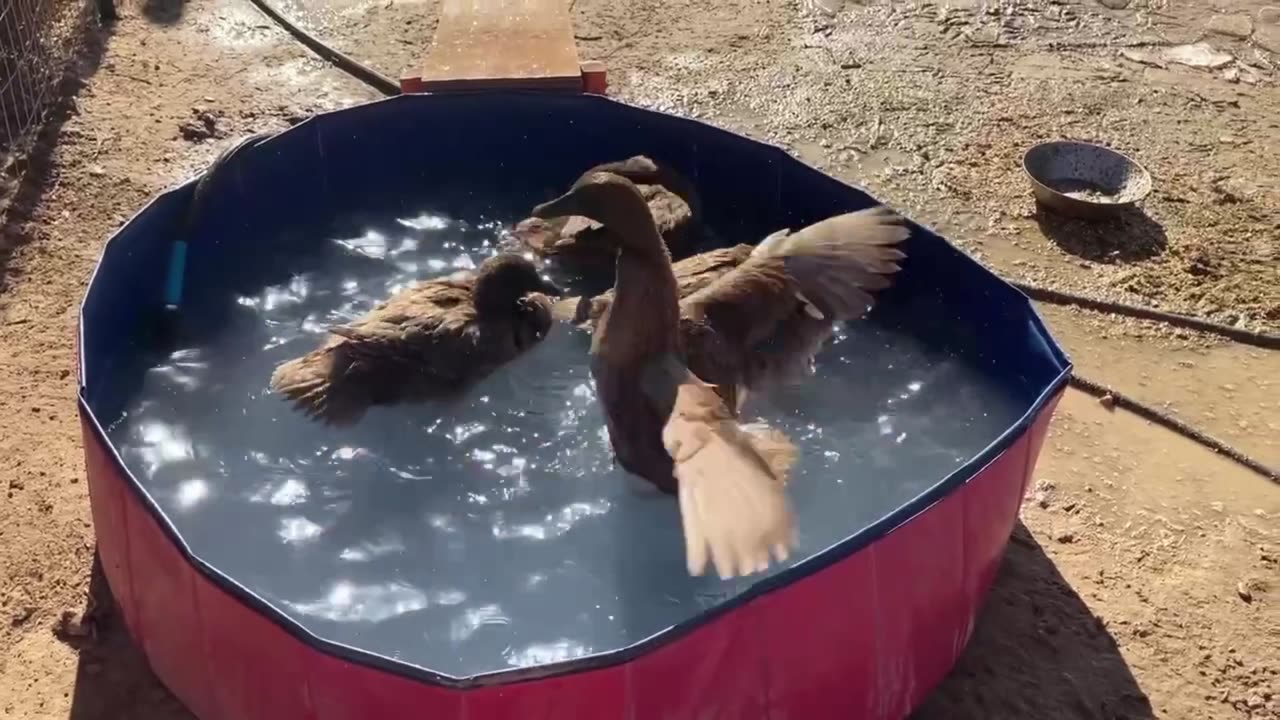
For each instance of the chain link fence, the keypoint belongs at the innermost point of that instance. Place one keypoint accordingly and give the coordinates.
(38, 41)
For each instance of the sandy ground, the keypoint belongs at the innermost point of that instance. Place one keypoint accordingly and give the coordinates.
(1143, 582)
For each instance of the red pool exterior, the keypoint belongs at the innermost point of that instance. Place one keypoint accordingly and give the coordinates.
(860, 638)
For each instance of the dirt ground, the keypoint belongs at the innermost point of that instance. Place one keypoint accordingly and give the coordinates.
(1144, 580)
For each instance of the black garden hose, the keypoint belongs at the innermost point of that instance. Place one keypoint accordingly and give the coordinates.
(1270, 341)
(387, 86)
(1169, 422)
(356, 69)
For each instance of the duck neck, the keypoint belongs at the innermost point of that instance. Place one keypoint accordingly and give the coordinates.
(646, 293)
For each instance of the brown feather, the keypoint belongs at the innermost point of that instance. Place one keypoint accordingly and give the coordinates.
(841, 261)
(427, 341)
(757, 316)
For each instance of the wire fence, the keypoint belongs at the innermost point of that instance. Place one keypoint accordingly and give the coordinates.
(38, 41)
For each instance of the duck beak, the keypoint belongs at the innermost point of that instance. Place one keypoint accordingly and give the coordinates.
(563, 206)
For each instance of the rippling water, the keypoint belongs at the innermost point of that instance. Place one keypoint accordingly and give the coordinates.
(494, 532)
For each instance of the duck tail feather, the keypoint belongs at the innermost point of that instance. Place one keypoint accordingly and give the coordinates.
(314, 386)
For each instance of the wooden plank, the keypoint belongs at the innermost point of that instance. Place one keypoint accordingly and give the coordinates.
(506, 43)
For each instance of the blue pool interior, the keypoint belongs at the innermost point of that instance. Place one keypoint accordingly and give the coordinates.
(493, 533)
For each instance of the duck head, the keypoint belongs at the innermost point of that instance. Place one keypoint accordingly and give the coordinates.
(508, 286)
(614, 202)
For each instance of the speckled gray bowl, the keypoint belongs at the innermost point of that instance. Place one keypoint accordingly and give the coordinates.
(1083, 179)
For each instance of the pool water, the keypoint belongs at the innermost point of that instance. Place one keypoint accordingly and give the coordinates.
(495, 531)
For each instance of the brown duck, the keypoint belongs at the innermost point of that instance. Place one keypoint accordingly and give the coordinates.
(427, 341)
(759, 322)
(749, 316)
(671, 198)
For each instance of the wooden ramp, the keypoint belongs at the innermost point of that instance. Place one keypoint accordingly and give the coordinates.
(482, 44)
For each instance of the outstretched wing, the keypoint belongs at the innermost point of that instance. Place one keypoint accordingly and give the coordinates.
(840, 263)
(795, 284)
(733, 504)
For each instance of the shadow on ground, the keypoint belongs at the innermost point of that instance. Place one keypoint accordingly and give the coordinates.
(163, 12)
(1037, 652)
(113, 681)
(38, 170)
(1130, 236)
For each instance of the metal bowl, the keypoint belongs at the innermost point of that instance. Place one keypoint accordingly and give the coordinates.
(1083, 179)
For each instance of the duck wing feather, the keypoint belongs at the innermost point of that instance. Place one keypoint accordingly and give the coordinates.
(840, 263)
(770, 315)
(731, 478)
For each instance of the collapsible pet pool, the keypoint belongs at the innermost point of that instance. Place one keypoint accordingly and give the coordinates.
(483, 558)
